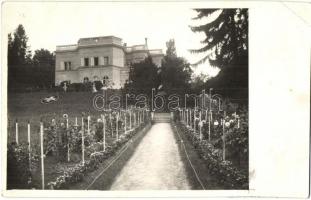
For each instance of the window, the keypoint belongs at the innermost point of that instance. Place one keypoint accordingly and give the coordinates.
(67, 66)
(106, 60)
(86, 62)
(85, 79)
(106, 80)
(96, 61)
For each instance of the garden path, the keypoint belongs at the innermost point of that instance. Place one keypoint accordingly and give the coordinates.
(155, 165)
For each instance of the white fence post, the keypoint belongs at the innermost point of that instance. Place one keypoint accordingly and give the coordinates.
(42, 155)
(125, 121)
(104, 132)
(16, 131)
(209, 127)
(130, 119)
(117, 126)
(224, 141)
(68, 145)
(82, 130)
(29, 146)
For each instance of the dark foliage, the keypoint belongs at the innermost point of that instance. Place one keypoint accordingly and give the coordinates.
(26, 73)
(227, 43)
(18, 169)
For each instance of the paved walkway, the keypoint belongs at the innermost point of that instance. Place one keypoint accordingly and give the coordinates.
(155, 165)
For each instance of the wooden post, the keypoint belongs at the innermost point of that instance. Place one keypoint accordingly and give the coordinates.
(238, 122)
(125, 122)
(16, 131)
(194, 120)
(224, 141)
(190, 117)
(200, 125)
(104, 132)
(76, 121)
(110, 119)
(209, 128)
(29, 144)
(187, 117)
(88, 125)
(68, 145)
(134, 119)
(117, 126)
(130, 119)
(82, 130)
(42, 155)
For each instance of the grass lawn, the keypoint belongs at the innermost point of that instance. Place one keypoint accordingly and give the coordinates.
(27, 106)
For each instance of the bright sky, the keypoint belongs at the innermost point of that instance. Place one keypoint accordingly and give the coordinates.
(60, 23)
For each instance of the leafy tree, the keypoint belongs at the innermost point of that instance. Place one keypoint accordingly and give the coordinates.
(25, 72)
(175, 71)
(43, 57)
(171, 49)
(143, 75)
(198, 81)
(18, 51)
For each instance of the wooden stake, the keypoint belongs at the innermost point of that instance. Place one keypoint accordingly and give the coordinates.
(134, 119)
(200, 125)
(209, 128)
(82, 128)
(117, 126)
(130, 120)
(29, 144)
(68, 145)
(125, 121)
(42, 155)
(224, 141)
(104, 132)
(88, 125)
(110, 119)
(16, 131)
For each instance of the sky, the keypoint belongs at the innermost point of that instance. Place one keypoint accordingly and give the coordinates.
(49, 24)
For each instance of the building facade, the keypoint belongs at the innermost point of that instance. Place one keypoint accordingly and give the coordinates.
(105, 59)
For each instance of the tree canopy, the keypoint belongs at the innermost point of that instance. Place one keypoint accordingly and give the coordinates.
(25, 71)
(226, 47)
(18, 51)
(143, 75)
(226, 37)
(175, 71)
(43, 57)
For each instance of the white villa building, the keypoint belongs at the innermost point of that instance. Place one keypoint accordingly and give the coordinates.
(104, 59)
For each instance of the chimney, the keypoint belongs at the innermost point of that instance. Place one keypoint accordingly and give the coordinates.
(146, 43)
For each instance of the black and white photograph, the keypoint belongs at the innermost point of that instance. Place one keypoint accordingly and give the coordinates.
(131, 96)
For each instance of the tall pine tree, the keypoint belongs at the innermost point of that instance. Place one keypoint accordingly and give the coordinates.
(225, 47)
